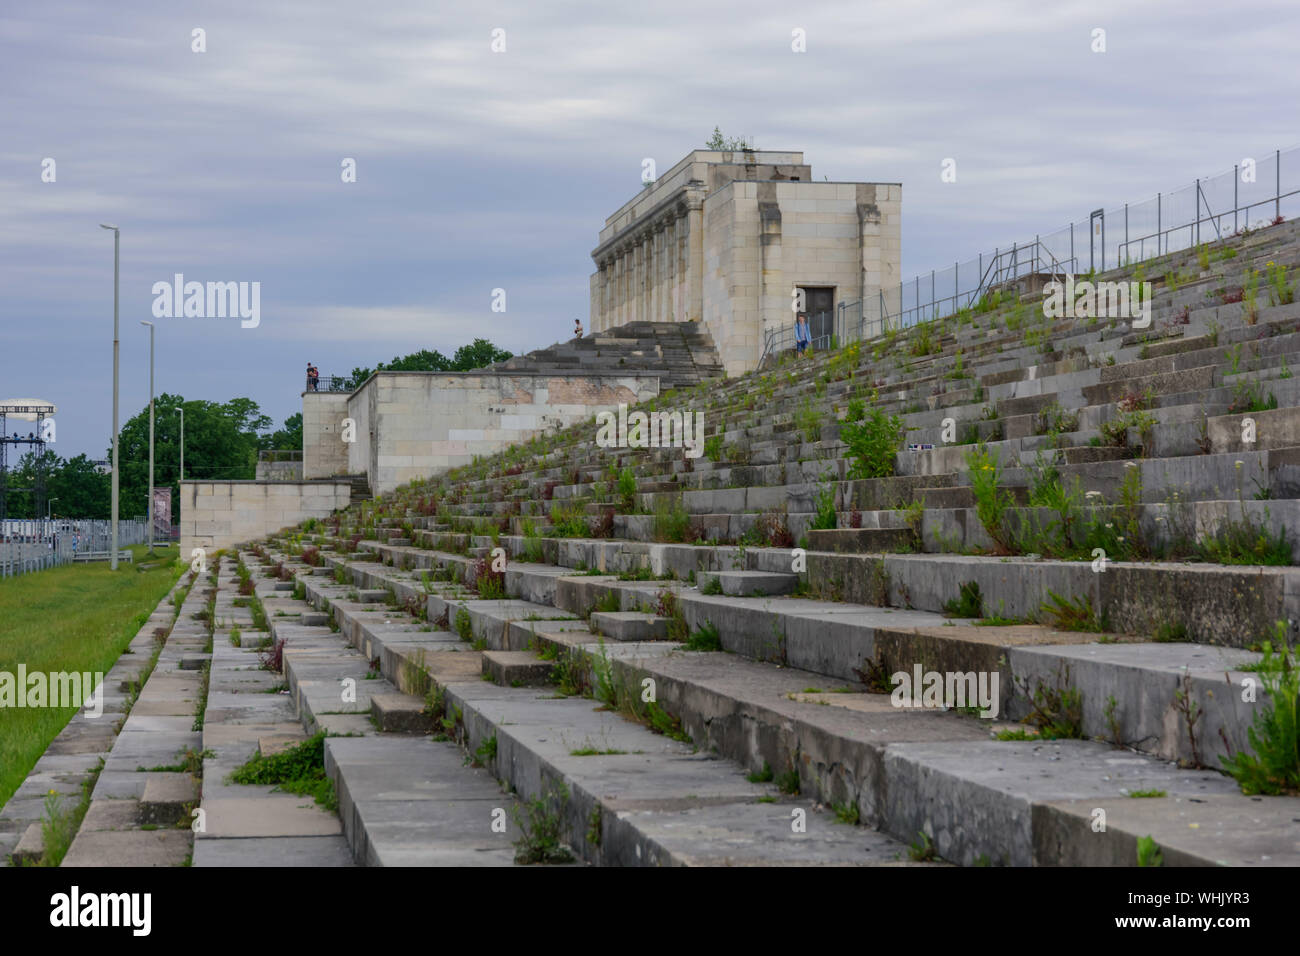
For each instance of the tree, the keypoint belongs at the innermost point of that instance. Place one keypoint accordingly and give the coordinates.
(82, 491)
(221, 442)
(478, 354)
(288, 436)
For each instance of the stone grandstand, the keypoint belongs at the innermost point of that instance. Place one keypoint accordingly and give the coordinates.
(641, 658)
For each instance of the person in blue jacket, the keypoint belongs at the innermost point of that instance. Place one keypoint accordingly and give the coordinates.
(801, 336)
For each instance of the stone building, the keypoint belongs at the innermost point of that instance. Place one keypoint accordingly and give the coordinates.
(725, 238)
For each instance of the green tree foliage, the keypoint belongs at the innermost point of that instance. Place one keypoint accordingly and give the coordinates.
(289, 436)
(82, 492)
(478, 354)
(222, 440)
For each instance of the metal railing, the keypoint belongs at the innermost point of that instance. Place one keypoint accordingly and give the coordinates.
(781, 338)
(330, 383)
(28, 544)
(1206, 210)
(280, 454)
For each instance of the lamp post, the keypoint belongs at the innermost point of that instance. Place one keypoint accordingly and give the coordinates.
(181, 409)
(49, 534)
(150, 511)
(117, 237)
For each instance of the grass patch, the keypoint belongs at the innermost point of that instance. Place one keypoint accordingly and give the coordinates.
(78, 617)
(705, 638)
(299, 770)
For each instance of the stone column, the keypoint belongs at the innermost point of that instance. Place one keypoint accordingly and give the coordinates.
(646, 260)
(695, 259)
(670, 283)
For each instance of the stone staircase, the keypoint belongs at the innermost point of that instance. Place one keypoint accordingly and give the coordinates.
(1083, 531)
(682, 351)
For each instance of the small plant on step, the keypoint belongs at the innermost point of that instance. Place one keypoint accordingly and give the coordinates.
(705, 638)
(788, 782)
(922, 850)
(968, 603)
(1191, 712)
(763, 775)
(1072, 614)
(1148, 852)
(992, 501)
(826, 517)
(1274, 766)
(541, 823)
(1057, 710)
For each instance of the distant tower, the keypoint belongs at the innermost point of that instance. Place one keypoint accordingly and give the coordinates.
(17, 417)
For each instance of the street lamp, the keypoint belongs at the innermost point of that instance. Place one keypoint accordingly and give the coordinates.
(181, 409)
(48, 532)
(150, 511)
(117, 237)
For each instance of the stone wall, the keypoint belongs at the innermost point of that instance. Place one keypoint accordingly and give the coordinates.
(218, 514)
(278, 471)
(323, 452)
(762, 240)
(416, 424)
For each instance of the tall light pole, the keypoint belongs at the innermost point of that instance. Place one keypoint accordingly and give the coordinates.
(117, 237)
(48, 502)
(150, 511)
(177, 503)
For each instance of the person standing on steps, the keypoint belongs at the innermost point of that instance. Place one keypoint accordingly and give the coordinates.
(577, 328)
(801, 336)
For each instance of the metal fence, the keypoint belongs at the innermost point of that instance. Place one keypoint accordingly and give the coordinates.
(1250, 195)
(35, 544)
(331, 383)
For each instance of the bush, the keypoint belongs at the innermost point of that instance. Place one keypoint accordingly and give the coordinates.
(872, 444)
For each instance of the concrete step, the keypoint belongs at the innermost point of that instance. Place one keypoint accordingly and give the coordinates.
(401, 714)
(630, 625)
(408, 801)
(748, 583)
(622, 800)
(517, 668)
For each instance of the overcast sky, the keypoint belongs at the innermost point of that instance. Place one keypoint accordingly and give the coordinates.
(478, 170)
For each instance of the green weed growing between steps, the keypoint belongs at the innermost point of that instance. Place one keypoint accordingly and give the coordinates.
(541, 825)
(1274, 767)
(872, 444)
(299, 770)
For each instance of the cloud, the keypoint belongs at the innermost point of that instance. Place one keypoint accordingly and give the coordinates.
(479, 170)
